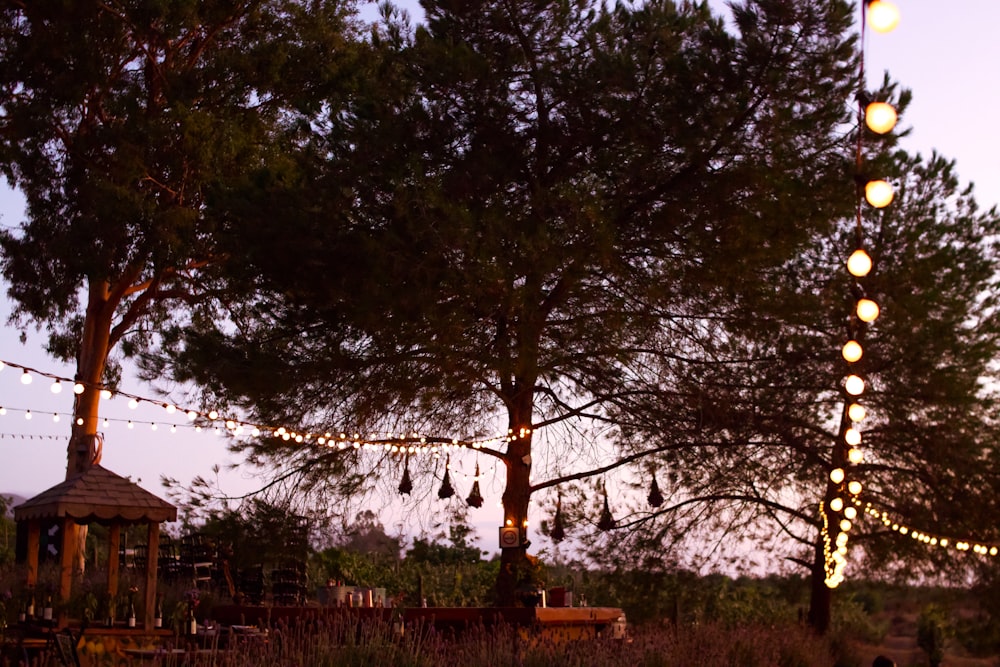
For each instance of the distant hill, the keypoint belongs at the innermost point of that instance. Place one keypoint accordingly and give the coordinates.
(14, 499)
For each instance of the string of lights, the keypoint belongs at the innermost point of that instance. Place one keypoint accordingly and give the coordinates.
(211, 421)
(879, 117)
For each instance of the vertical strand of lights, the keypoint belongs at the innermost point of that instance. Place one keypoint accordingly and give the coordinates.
(838, 511)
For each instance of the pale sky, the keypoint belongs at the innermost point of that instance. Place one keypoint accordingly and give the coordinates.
(945, 52)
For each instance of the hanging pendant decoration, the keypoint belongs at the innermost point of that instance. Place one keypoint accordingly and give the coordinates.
(606, 522)
(558, 533)
(446, 490)
(475, 498)
(405, 484)
(655, 497)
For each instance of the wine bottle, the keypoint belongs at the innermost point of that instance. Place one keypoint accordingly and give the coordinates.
(47, 609)
(158, 619)
(131, 613)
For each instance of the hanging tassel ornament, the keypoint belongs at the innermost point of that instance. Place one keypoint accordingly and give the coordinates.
(446, 490)
(405, 484)
(475, 498)
(655, 497)
(558, 533)
(606, 522)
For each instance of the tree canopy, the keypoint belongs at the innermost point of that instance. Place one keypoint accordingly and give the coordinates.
(538, 219)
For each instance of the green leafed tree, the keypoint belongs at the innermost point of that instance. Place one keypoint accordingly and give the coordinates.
(120, 122)
(542, 219)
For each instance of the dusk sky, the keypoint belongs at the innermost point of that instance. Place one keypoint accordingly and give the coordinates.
(945, 52)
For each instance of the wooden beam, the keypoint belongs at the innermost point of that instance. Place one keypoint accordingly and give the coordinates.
(67, 565)
(34, 538)
(114, 544)
(152, 560)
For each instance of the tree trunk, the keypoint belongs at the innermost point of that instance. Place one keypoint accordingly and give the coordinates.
(91, 360)
(516, 568)
(820, 596)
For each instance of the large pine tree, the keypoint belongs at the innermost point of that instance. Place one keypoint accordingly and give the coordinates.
(529, 207)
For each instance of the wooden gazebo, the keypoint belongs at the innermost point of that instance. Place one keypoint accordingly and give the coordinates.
(99, 496)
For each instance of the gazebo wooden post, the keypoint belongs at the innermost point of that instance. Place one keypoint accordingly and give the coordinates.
(114, 544)
(34, 538)
(67, 565)
(152, 559)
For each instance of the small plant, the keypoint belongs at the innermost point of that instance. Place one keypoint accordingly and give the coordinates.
(933, 632)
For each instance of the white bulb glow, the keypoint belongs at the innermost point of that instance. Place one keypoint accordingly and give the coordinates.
(852, 351)
(880, 117)
(879, 193)
(850, 513)
(883, 16)
(837, 504)
(868, 310)
(56, 387)
(852, 436)
(26, 377)
(856, 412)
(854, 488)
(854, 385)
(837, 475)
(855, 456)
(78, 388)
(105, 394)
(133, 404)
(859, 264)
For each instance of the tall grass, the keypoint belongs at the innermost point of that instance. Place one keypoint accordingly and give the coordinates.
(347, 643)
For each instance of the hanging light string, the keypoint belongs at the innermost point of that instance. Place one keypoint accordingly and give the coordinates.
(880, 118)
(402, 444)
(933, 539)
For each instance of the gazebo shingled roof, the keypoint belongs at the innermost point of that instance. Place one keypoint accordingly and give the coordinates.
(97, 494)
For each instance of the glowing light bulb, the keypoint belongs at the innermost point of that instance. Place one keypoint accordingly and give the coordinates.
(859, 263)
(26, 377)
(852, 351)
(850, 513)
(878, 193)
(78, 388)
(55, 417)
(130, 424)
(842, 540)
(27, 415)
(856, 412)
(852, 436)
(105, 394)
(854, 385)
(880, 117)
(883, 16)
(837, 475)
(855, 456)
(868, 310)
(837, 504)
(170, 408)
(3, 411)
(854, 488)
(133, 404)
(845, 525)
(213, 415)
(56, 387)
